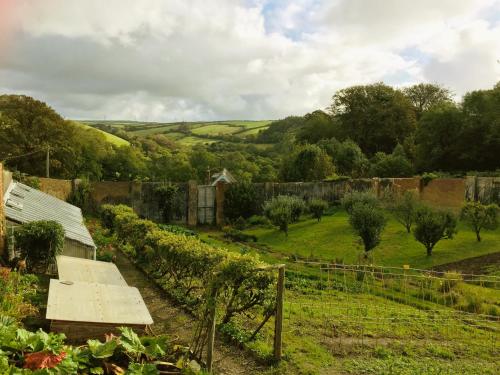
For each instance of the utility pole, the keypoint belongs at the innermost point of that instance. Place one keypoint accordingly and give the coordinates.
(47, 163)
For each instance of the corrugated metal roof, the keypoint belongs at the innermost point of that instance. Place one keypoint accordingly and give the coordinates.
(24, 204)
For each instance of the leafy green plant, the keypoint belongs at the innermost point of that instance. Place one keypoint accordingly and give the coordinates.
(479, 216)
(39, 242)
(433, 226)
(16, 291)
(317, 207)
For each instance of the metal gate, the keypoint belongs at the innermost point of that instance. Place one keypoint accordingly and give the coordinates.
(206, 204)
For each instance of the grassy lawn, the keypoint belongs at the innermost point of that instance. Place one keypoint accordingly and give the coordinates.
(333, 238)
(334, 327)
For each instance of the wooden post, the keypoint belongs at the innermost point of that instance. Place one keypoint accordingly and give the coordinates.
(278, 322)
(211, 331)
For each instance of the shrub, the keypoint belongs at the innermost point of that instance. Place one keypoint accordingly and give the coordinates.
(368, 222)
(317, 207)
(39, 242)
(238, 235)
(479, 216)
(405, 209)
(240, 200)
(279, 211)
(363, 197)
(433, 226)
(108, 212)
(258, 220)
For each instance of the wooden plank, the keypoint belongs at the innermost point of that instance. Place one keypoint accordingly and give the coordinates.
(96, 303)
(79, 332)
(90, 271)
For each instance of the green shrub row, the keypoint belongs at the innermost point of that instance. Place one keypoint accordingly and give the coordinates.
(190, 269)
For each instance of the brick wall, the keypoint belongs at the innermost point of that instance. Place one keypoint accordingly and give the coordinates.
(444, 192)
(58, 188)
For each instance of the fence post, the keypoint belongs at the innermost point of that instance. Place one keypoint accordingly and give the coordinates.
(278, 322)
(211, 331)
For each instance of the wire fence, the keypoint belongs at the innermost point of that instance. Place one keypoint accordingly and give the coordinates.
(348, 308)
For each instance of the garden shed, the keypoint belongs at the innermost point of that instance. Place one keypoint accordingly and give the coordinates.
(24, 204)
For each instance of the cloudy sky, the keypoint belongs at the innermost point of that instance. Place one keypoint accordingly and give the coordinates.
(167, 60)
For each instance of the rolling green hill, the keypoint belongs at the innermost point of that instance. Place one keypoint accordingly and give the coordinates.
(111, 138)
(189, 133)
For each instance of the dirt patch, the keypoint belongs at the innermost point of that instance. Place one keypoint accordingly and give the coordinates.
(172, 320)
(476, 265)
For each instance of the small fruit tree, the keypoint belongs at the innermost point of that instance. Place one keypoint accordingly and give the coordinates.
(480, 216)
(368, 222)
(283, 210)
(432, 226)
(405, 209)
(317, 208)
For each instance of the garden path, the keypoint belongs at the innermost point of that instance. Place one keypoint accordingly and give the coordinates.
(172, 320)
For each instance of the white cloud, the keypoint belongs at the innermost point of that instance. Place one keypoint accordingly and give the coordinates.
(187, 60)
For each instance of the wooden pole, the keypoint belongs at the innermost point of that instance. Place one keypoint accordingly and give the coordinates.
(211, 331)
(278, 322)
(47, 163)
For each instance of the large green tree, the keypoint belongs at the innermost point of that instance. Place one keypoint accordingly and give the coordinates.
(424, 96)
(376, 117)
(307, 163)
(480, 136)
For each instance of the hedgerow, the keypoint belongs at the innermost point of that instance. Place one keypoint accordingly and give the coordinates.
(189, 269)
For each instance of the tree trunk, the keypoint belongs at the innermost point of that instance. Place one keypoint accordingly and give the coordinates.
(478, 236)
(429, 251)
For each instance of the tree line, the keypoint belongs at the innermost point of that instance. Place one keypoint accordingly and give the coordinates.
(369, 130)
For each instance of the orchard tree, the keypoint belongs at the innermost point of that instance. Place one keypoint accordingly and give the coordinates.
(317, 208)
(479, 216)
(432, 226)
(360, 197)
(405, 209)
(368, 222)
(279, 212)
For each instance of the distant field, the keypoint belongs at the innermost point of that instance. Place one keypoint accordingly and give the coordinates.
(109, 137)
(201, 132)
